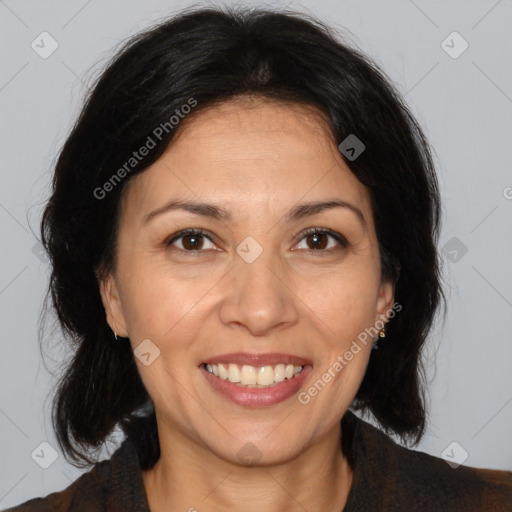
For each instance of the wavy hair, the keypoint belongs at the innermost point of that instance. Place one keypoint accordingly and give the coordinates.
(212, 55)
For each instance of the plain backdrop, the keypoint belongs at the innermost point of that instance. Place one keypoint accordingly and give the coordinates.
(461, 96)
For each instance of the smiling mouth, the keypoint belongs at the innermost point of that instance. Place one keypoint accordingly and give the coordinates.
(247, 376)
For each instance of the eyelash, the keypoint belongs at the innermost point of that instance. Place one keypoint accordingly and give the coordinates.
(310, 231)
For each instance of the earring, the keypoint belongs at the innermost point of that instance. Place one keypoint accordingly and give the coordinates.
(114, 331)
(382, 334)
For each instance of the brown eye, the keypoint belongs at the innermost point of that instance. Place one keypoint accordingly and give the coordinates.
(190, 241)
(320, 239)
(317, 241)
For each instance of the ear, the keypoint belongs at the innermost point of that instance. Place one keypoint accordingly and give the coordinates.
(112, 303)
(385, 300)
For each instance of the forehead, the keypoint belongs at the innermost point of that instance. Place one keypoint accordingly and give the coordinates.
(252, 128)
(251, 152)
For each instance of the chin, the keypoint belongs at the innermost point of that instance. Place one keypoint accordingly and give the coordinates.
(248, 450)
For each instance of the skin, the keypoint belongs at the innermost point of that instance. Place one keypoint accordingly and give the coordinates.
(256, 158)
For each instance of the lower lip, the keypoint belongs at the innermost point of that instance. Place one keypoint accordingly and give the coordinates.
(257, 397)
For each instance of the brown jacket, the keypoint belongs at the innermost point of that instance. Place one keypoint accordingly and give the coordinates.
(387, 477)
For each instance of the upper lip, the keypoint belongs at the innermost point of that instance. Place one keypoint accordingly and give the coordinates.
(269, 359)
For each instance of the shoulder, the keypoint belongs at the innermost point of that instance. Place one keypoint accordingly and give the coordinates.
(432, 480)
(90, 488)
(96, 490)
(399, 478)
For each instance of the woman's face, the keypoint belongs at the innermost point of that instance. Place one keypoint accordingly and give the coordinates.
(255, 289)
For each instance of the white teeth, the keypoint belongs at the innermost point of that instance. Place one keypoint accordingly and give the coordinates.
(279, 373)
(248, 375)
(223, 373)
(234, 373)
(266, 376)
(252, 376)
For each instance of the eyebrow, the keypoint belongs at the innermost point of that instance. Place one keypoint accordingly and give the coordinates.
(216, 212)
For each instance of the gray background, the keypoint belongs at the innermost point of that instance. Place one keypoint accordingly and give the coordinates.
(465, 107)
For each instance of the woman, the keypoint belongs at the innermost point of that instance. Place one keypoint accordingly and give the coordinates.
(244, 211)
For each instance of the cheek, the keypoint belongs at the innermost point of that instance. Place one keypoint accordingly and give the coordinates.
(344, 300)
(149, 298)
(161, 300)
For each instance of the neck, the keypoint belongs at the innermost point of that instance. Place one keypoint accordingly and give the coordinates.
(187, 477)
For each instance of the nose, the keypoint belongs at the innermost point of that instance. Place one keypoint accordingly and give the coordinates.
(258, 299)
